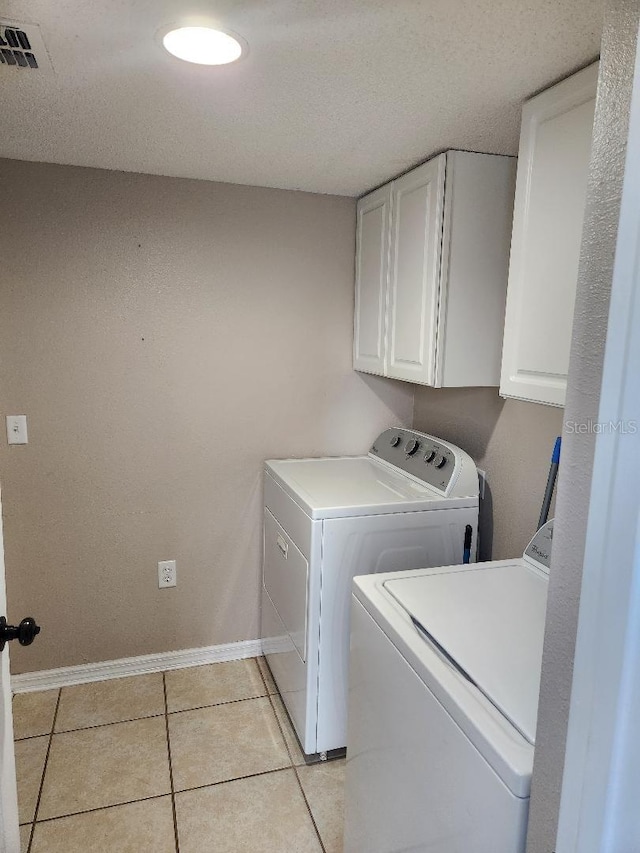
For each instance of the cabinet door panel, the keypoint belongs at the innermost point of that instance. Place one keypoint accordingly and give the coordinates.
(416, 242)
(555, 149)
(372, 270)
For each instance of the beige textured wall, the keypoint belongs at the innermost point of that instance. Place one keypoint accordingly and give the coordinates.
(164, 337)
(510, 440)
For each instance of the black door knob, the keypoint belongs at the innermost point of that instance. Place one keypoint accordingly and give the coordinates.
(25, 633)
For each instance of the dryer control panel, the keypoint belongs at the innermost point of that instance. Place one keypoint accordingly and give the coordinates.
(422, 456)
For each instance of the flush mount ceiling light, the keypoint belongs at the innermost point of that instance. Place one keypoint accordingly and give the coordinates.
(203, 45)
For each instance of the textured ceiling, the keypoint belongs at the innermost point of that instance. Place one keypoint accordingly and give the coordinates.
(335, 96)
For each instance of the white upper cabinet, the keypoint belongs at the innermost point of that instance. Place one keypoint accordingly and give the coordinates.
(431, 272)
(553, 166)
(417, 201)
(372, 270)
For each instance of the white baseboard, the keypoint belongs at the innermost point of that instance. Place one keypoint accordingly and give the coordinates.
(65, 676)
(277, 645)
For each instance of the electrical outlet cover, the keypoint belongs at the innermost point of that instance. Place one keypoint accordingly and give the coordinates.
(167, 574)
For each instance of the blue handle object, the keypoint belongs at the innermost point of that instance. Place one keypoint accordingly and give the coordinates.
(551, 481)
(468, 535)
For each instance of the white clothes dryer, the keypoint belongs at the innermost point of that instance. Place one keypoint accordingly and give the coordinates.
(412, 501)
(443, 699)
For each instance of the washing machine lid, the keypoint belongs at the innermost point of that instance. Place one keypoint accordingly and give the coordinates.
(355, 485)
(489, 625)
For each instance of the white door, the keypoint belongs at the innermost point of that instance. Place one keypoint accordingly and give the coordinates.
(9, 833)
(414, 276)
(372, 271)
(551, 188)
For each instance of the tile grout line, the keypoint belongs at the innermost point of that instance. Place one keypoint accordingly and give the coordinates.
(293, 765)
(217, 704)
(139, 719)
(32, 826)
(233, 779)
(173, 790)
(307, 804)
(159, 796)
(102, 808)
(44, 770)
(97, 726)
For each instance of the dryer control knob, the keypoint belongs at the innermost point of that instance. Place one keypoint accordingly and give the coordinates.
(430, 456)
(440, 462)
(395, 441)
(411, 446)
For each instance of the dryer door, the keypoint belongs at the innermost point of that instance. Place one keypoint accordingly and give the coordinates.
(286, 577)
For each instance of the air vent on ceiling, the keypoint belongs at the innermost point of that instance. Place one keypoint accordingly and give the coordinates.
(21, 46)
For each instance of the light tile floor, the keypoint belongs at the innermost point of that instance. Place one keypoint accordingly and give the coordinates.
(188, 761)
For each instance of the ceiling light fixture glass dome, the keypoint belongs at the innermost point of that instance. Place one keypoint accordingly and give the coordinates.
(203, 45)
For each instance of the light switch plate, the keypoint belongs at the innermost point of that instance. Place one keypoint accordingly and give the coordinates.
(17, 429)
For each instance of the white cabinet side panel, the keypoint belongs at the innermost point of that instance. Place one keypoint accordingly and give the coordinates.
(480, 190)
(414, 275)
(555, 150)
(372, 267)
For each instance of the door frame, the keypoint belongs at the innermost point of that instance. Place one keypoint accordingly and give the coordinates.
(9, 831)
(598, 808)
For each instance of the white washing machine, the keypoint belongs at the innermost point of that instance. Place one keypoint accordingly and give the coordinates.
(410, 502)
(443, 699)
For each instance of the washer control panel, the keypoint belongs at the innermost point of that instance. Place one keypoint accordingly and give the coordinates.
(539, 549)
(417, 454)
